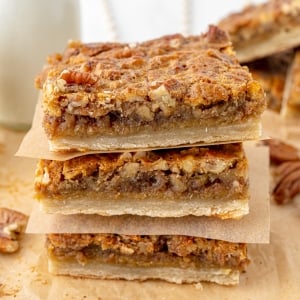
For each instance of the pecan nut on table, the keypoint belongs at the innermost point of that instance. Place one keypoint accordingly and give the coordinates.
(12, 224)
(286, 161)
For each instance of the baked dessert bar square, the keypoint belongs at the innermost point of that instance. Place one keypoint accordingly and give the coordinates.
(210, 181)
(173, 258)
(170, 91)
(260, 30)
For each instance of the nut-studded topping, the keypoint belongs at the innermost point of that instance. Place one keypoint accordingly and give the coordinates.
(12, 224)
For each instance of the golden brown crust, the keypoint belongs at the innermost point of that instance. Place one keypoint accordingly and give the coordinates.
(127, 88)
(136, 250)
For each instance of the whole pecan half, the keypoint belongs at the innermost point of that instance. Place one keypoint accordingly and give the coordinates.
(281, 152)
(287, 182)
(286, 159)
(12, 224)
(80, 78)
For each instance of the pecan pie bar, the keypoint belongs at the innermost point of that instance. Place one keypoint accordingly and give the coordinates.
(260, 30)
(177, 259)
(170, 91)
(291, 96)
(211, 181)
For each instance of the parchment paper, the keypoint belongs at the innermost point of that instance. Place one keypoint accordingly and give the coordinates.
(253, 228)
(274, 272)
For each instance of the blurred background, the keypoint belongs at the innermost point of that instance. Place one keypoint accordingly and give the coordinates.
(32, 29)
(136, 20)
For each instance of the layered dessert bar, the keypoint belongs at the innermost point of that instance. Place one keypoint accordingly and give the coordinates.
(260, 30)
(210, 181)
(174, 258)
(170, 91)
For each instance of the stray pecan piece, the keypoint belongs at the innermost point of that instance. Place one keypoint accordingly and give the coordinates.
(281, 152)
(80, 78)
(287, 170)
(12, 224)
(288, 182)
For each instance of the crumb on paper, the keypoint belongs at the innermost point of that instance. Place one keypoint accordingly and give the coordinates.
(8, 291)
(13, 184)
(41, 280)
(198, 286)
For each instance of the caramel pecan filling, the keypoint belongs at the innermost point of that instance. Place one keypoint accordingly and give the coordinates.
(145, 250)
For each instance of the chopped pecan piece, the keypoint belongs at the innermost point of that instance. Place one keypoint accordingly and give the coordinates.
(12, 224)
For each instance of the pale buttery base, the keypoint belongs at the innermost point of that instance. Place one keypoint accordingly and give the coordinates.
(223, 209)
(279, 41)
(249, 130)
(94, 269)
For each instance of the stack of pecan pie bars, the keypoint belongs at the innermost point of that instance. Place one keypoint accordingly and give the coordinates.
(158, 129)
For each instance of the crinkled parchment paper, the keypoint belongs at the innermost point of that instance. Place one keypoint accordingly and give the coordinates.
(253, 228)
(273, 273)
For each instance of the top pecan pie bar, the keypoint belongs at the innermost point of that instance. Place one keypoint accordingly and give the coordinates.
(165, 92)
